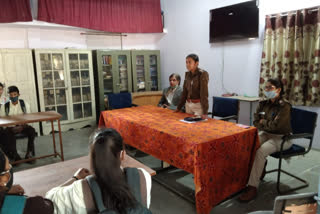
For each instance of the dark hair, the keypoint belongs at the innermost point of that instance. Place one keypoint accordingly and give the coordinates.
(13, 88)
(194, 57)
(1, 85)
(278, 84)
(177, 76)
(2, 161)
(105, 148)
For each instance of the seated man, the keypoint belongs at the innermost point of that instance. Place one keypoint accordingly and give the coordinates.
(171, 96)
(14, 107)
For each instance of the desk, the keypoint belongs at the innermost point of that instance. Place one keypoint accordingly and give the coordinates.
(219, 154)
(33, 118)
(38, 181)
(246, 99)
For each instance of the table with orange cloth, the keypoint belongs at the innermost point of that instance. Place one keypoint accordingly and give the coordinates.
(219, 154)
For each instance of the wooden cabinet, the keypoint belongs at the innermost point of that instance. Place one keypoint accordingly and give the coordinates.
(112, 73)
(16, 68)
(66, 85)
(146, 70)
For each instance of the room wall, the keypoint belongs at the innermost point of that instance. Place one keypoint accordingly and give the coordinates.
(233, 66)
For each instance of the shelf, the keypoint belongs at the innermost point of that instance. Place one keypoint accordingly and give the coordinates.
(107, 65)
(48, 88)
(107, 91)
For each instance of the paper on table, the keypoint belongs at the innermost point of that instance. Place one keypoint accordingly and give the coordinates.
(192, 121)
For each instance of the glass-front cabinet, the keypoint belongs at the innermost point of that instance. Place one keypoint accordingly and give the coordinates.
(65, 84)
(146, 70)
(112, 69)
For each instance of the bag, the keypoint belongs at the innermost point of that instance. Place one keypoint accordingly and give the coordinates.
(22, 104)
(133, 179)
(13, 204)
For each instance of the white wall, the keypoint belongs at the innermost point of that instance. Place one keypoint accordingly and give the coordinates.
(187, 23)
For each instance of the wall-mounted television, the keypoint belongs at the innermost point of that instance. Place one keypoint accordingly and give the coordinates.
(237, 21)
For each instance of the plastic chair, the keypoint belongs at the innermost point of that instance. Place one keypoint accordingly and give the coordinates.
(303, 124)
(225, 108)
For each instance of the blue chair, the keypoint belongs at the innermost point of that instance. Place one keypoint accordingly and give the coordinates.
(225, 108)
(303, 124)
(120, 100)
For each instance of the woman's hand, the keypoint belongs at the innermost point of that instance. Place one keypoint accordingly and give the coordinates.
(177, 110)
(82, 173)
(16, 190)
(164, 106)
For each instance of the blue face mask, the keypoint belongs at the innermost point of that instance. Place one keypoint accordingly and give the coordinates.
(270, 94)
(14, 99)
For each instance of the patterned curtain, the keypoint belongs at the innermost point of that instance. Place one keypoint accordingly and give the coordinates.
(291, 52)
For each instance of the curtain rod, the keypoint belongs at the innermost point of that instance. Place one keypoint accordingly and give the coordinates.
(311, 9)
(103, 34)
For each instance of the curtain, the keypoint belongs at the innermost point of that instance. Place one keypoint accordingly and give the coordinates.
(122, 16)
(15, 11)
(291, 52)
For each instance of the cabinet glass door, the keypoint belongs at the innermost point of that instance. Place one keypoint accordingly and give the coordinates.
(140, 67)
(53, 83)
(80, 85)
(123, 73)
(107, 73)
(154, 72)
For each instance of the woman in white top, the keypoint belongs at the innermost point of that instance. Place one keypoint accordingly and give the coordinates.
(106, 154)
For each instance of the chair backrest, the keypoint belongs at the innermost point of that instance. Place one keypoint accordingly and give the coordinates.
(120, 100)
(223, 107)
(303, 121)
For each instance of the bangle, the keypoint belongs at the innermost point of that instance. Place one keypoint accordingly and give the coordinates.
(75, 177)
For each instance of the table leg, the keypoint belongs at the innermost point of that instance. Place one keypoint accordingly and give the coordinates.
(60, 137)
(53, 139)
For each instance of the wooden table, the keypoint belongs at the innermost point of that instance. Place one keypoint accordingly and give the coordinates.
(246, 99)
(33, 118)
(38, 181)
(219, 154)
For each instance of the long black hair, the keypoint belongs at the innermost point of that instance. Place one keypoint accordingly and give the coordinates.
(105, 148)
(278, 84)
(195, 57)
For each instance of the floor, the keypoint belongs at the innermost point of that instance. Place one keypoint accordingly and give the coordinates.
(75, 144)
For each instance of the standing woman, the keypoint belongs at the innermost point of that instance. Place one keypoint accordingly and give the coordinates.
(195, 88)
(171, 96)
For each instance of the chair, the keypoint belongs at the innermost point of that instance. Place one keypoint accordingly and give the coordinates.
(120, 100)
(282, 203)
(303, 124)
(226, 108)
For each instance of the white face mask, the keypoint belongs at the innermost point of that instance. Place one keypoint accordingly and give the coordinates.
(270, 94)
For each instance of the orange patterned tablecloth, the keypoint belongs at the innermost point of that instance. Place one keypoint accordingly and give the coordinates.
(218, 153)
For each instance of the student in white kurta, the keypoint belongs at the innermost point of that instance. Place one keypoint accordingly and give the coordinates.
(17, 106)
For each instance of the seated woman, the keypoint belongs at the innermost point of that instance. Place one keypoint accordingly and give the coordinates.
(272, 119)
(171, 96)
(18, 203)
(119, 188)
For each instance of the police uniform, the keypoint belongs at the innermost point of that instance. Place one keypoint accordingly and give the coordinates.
(273, 122)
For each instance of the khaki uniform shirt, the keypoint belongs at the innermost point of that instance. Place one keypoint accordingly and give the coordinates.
(276, 116)
(195, 87)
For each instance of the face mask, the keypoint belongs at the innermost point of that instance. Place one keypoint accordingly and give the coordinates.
(270, 94)
(173, 87)
(14, 99)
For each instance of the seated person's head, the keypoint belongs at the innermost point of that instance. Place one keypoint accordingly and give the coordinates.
(6, 175)
(174, 80)
(13, 93)
(106, 153)
(273, 89)
(1, 88)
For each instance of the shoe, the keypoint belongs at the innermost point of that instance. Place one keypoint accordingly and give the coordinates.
(264, 172)
(30, 155)
(249, 194)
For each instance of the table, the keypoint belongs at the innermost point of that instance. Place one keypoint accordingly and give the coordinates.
(219, 154)
(38, 181)
(246, 99)
(33, 118)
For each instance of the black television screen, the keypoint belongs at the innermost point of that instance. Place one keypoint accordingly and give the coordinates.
(234, 22)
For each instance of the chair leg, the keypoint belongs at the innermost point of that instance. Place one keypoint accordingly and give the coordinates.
(279, 170)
